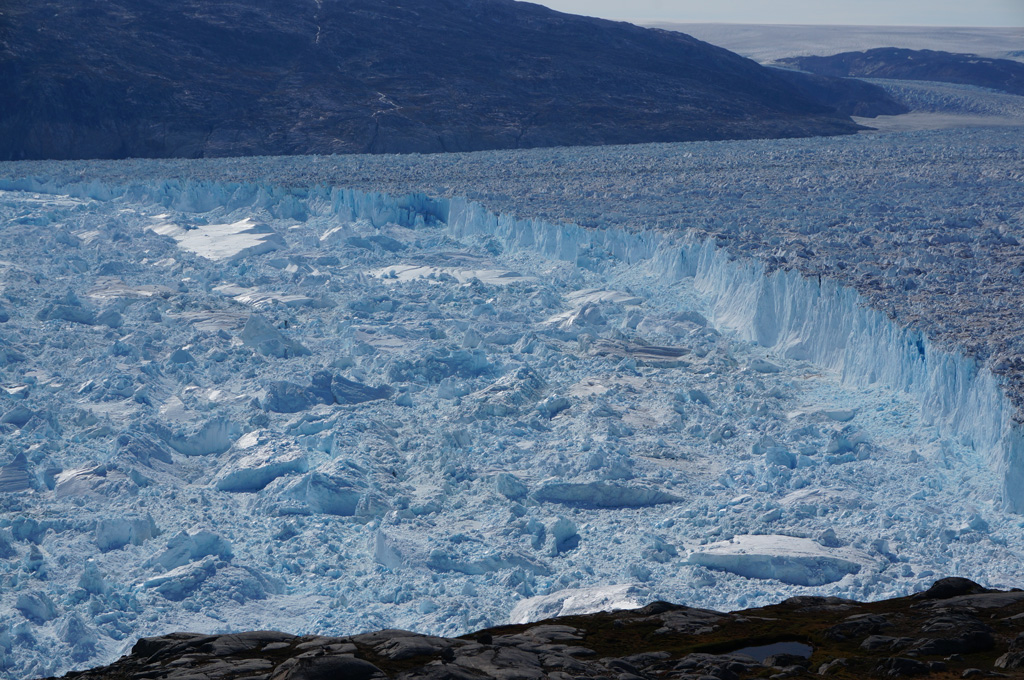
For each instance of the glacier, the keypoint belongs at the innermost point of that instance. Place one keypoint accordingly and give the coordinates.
(400, 407)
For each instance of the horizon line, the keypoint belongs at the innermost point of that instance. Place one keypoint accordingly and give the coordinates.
(643, 22)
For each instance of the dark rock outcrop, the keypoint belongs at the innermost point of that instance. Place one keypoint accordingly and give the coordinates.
(954, 586)
(660, 640)
(144, 78)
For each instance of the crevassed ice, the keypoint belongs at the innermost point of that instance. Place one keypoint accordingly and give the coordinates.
(428, 452)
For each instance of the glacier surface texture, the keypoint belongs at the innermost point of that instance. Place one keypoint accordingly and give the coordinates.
(333, 395)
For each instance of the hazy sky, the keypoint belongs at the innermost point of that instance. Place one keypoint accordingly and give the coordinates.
(860, 12)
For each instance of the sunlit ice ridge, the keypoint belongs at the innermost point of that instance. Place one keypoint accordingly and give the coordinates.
(668, 356)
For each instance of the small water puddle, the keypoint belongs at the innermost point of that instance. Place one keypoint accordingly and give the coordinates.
(764, 651)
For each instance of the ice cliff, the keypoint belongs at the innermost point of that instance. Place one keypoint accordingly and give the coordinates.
(797, 316)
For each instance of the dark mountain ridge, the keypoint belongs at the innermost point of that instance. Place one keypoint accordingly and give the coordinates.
(955, 629)
(191, 78)
(903, 64)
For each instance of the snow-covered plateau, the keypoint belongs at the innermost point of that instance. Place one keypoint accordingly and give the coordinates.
(438, 393)
(768, 42)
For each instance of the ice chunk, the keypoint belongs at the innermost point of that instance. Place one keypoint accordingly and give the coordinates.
(347, 391)
(260, 335)
(646, 355)
(776, 455)
(111, 288)
(587, 315)
(331, 493)
(101, 480)
(441, 364)
(508, 394)
(73, 314)
(287, 397)
(562, 537)
(840, 415)
(112, 534)
(35, 561)
(7, 550)
(14, 477)
(578, 601)
(847, 440)
(439, 560)
(762, 366)
(411, 272)
(797, 561)
(81, 637)
(15, 391)
(698, 396)
(143, 448)
(213, 436)
(110, 318)
(510, 486)
(223, 242)
(598, 296)
(384, 552)
(179, 582)
(242, 583)
(181, 356)
(185, 547)
(829, 539)
(92, 580)
(601, 495)
(8, 354)
(259, 467)
(17, 416)
(552, 406)
(259, 299)
(36, 606)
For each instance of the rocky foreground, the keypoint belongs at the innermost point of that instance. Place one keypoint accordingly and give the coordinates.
(956, 629)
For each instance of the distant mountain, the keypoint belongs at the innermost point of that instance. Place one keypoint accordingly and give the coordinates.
(769, 42)
(901, 64)
(848, 96)
(152, 78)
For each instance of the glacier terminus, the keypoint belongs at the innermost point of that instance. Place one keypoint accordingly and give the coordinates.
(339, 394)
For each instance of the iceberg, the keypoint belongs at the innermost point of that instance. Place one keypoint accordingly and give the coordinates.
(799, 561)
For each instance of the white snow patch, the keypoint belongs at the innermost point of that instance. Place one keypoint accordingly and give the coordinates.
(223, 242)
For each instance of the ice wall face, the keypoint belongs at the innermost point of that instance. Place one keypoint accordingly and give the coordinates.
(833, 327)
(819, 321)
(417, 413)
(803, 319)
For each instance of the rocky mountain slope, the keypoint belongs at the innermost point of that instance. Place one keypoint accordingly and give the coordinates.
(902, 64)
(956, 629)
(143, 78)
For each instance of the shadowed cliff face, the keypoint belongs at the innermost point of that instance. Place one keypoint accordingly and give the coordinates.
(120, 78)
(955, 629)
